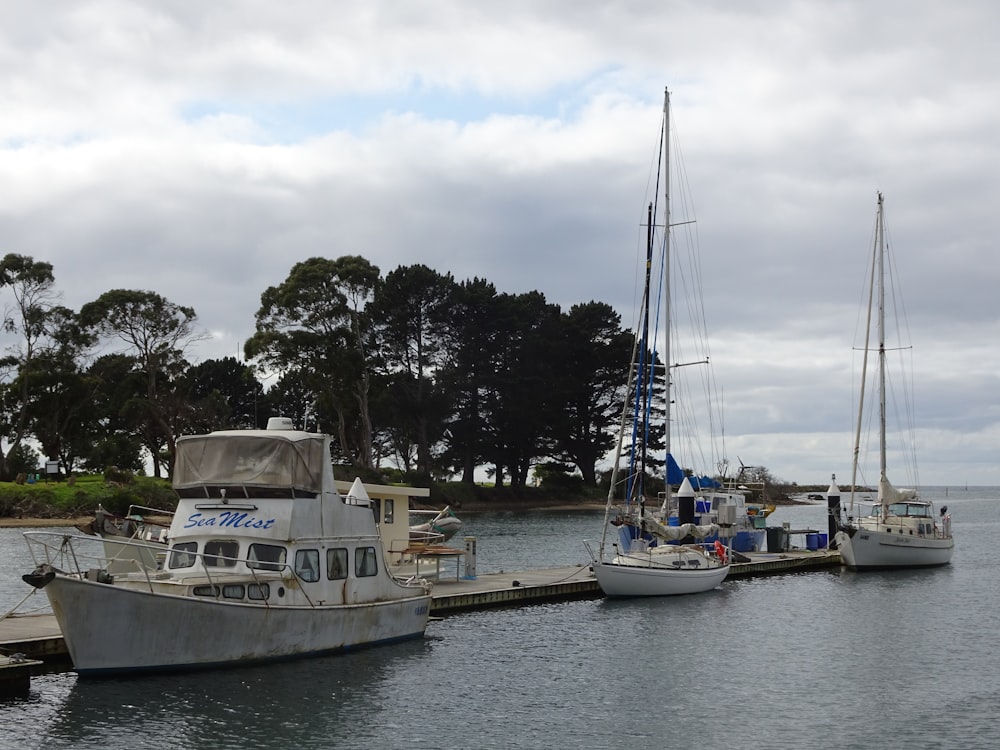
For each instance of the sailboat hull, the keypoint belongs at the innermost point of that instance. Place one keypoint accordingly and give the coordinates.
(868, 549)
(620, 580)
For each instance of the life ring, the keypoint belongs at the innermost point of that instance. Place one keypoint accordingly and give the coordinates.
(720, 551)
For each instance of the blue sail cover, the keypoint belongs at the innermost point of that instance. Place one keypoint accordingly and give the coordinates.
(701, 483)
(675, 475)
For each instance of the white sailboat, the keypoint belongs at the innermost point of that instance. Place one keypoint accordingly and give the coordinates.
(901, 530)
(650, 557)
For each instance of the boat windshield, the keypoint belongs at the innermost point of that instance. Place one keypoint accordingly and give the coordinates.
(250, 460)
(914, 510)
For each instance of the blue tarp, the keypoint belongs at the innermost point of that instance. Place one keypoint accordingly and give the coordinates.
(675, 475)
(704, 483)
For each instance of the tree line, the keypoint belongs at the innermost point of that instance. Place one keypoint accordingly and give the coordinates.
(413, 368)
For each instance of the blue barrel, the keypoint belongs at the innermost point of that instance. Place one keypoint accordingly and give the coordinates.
(812, 542)
(822, 541)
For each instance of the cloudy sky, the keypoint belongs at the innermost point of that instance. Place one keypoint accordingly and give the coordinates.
(199, 150)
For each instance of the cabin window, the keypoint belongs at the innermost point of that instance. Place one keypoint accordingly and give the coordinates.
(266, 557)
(376, 508)
(364, 562)
(258, 591)
(233, 591)
(389, 508)
(336, 563)
(307, 564)
(221, 553)
(182, 555)
(206, 591)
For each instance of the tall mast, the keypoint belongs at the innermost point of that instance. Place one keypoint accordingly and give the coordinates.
(876, 270)
(646, 380)
(666, 286)
(880, 229)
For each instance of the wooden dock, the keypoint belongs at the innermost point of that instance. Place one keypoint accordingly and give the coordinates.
(37, 636)
(512, 589)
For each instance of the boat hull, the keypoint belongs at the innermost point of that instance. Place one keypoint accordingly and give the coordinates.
(111, 629)
(618, 580)
(868, 549)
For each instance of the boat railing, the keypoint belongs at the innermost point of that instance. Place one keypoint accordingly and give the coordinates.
(86, 557)
(945, 528)
(144, 523)
(145, 511)
(426, 537)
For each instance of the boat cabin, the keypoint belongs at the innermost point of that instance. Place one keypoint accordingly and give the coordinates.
(261, 507)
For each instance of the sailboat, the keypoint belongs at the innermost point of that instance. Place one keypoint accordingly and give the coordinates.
(901, 530)
(651, 557)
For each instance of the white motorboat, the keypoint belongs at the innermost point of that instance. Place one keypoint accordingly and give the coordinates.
(266, 560)
(651, 557)
(901, 530)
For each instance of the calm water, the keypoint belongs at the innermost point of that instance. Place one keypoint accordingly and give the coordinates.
(827, 659)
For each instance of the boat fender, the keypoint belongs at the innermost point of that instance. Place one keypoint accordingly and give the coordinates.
(720, 551)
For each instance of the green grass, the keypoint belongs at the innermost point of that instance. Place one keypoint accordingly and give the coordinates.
(63, 499)
(66, 499)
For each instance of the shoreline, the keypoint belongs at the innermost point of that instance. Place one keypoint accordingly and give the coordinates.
(28, 523)
(474, 507)
(467, 508)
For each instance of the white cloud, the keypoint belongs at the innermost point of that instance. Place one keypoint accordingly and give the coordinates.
(201, 151)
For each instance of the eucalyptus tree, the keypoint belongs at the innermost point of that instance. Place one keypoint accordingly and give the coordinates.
(522, 395)
(465, 374)
(314, 323)
(292, 397)
(595, 356)
(393, 437)
(61, 407)
(155, 333)
(25, 320)
(224, 394)
(409, 316)
(114, 438)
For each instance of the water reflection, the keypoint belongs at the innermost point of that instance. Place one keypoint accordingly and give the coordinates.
(323, 702)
